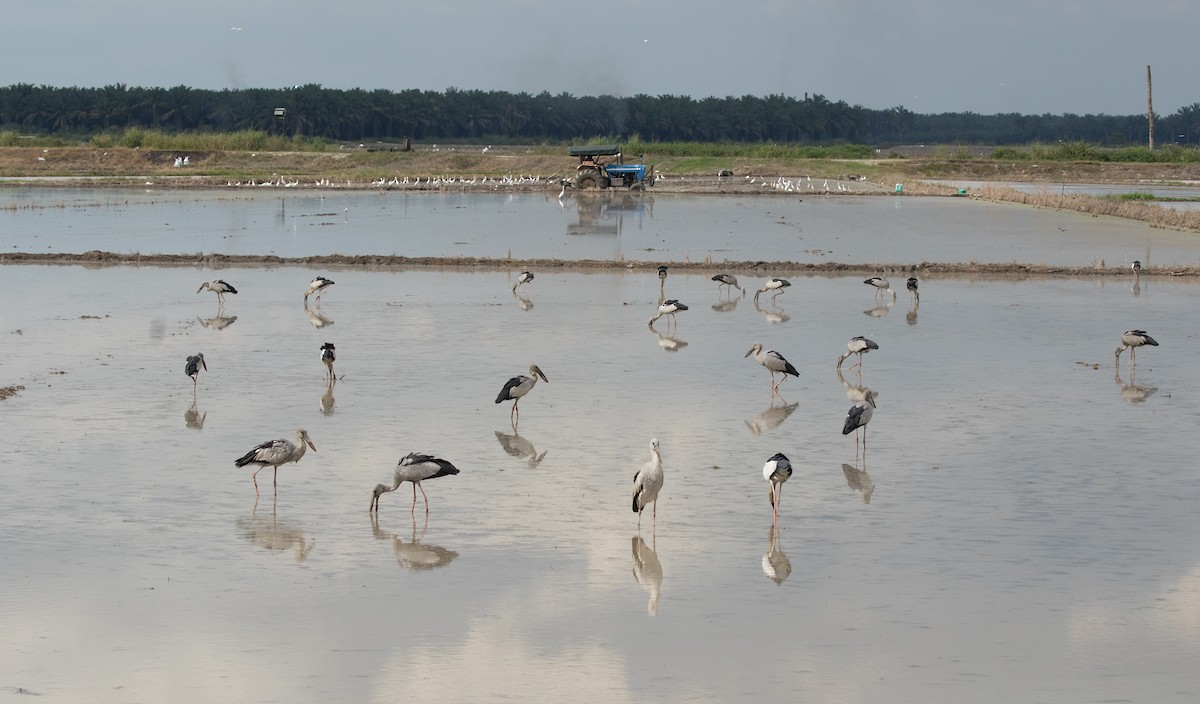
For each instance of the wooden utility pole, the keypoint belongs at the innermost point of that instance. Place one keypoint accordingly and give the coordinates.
(1150, 106)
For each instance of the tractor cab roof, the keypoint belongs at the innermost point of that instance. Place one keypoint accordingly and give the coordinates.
(594, 150)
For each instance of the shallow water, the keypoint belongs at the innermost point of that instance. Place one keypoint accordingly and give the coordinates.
(816, 229)
(1022, 529)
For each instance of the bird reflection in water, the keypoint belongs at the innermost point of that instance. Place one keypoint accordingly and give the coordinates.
(858, 480)
(775, 562)
(524, 303)
(327, 400)
(726, 306)
(854, 392)
(413, 555)
(911, 317)
(1133, 392)
(220, 322)
(317, 318)
(647, 570)
(1137, 287)
(193, 418)
(668, 343)
(772, 417)
(881, 310)
(773, 314)
(520, 447)
(271, 533)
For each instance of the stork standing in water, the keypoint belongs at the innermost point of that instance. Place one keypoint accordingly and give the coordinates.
(881, 285)
(774, 362)
(413, 468)
(668, 307)
(1131, 340)
(730, 281)
(857, 417)
(318, 286)
(777, 470)
(192, 368)
(912, 285)
(647, 482)
(274, 453)
(776, 285)
(329, 356)
(518, 386)
(219, 287)
(1137, 268)
(859, 346)
(523, 278)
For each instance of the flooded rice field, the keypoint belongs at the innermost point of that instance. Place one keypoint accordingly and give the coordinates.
(1020, 527)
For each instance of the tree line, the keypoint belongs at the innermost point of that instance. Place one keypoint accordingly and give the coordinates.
(356, 114)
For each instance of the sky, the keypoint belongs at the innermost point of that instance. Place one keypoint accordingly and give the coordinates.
(928, 56)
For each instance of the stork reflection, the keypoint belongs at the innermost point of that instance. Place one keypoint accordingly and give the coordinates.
(1133, 392)
(772, 417)
(194, 418)
(881, 310)
(522, 302)
(219, 322)
(519, 447)
(911, 318)
(775, 563)
(327, 400)
(413, 555)
(727, 305)
(858, 480)
(774, 314)
(316, 317)
(668, 343)
(854, 392)
(271, 533)
(647, 570)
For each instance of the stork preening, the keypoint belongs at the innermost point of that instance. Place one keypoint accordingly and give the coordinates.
(857, 417)
(776, 285)
(881, 285)
(859, 346)
(318, 286)
(518, 386)
(523, 278)
(730, 281)
(219, 287)
(775, 363)
(647, 482)
(274, 453)
(328, 357)
(777, 470)
(1131, 340)
(912, 285)
(668, 307)
(414, 468)
(192, 368)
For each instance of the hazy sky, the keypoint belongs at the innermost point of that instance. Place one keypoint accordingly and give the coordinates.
(1025, 56)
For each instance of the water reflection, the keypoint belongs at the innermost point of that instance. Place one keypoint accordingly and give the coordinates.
(271, 533)
(220, 322)
(775, 563)
(880, 310)
(193, 418)
(858, 480)
(773, 314)
(605, 214)
(647, 570)
(524, 303)
(772, 417)
(1133, 392)
(854, 392)
(520, 447)
(413, 555)
(327, 400)
(1137, 287)
(727, 305)
(317, 318)
(668, 343)
(912, 313)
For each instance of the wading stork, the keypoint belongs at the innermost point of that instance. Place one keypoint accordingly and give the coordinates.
(1137, 268)
(730, 281)
(274, 453)
(523, 278)
(774, 362)
(518, 386)
(859, 346)
(777, 470)
(1131, 340)
(414, 468)
(318, 286)
(857, 417)
(328, 357)
(912, 285)
(192, 368)
(647, 482)
(881, 285)
(668, 307)
(219, 287)
(776, 285)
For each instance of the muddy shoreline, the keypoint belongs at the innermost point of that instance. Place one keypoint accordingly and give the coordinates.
(399, 263)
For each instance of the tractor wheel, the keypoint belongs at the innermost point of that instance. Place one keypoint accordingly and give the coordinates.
(590, 179)
(637, 186)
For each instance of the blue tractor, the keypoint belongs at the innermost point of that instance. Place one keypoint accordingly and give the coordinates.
(596, 172)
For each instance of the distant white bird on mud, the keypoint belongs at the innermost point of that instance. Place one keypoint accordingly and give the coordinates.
(776, 285)
(775, 363)
(777, 470)
(523, 278)
(518, 386)
(192, 368)
(219, 287)
(413, 468)
(274, 453)
(318, 286)
(730, 281)
(328, 357)
(647, 482)
(881, 285)
(859, 346)
(1131, 340)
(858, 416)
(668, 307)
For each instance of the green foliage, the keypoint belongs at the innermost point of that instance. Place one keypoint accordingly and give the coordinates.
(8, 138)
